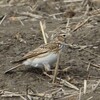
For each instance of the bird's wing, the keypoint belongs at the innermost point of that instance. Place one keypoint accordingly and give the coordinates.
(38, 51)
(35, 52)
(42, 49)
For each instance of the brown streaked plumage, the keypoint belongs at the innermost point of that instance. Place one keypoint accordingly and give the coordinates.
(45, 54)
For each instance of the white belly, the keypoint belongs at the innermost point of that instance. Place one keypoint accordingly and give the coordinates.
(42, 59)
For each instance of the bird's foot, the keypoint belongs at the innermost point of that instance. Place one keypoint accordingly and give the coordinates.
(46, 67)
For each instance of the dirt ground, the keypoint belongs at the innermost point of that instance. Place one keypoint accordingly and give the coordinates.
(20, 33)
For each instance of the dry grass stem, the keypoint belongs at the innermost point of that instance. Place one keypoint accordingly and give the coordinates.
(63, 70)
(63, 82)
(90, 98)
(34, 7)
(21, 22)
(23, 98)
(87, 10)
(88, 66)
(10, 94)
(5, 5)
(68, 27)
(92, 53)
(43, 33)
(80, 94)
(69, 1)
(56, 68)
(66, 69)
(96, 86)
(92, 64)
(95, 12)
(85, 86)
(3, 19)
(80, 24)
(69, 97)
(55, 14)
(30, 15)
(66, 83)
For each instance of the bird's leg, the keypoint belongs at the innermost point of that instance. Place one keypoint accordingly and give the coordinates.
(12, 68)
(46, 67)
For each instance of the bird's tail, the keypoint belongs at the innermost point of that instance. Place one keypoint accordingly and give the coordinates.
(12, 68)
(18, 61)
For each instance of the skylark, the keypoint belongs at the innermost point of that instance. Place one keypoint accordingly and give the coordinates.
(44, 56)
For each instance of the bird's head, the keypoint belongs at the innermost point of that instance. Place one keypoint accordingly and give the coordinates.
(60, 38)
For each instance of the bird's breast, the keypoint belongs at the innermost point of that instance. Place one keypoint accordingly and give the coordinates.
(49, 58)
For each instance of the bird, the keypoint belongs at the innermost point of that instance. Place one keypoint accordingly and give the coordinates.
(43, 56)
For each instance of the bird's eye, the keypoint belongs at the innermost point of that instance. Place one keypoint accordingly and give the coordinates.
(64, 35)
